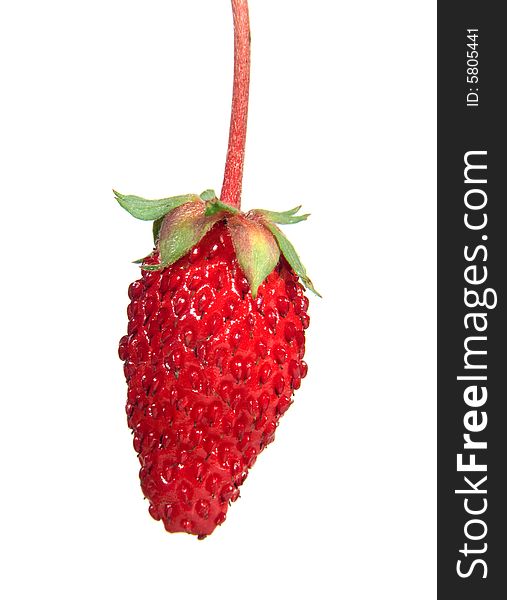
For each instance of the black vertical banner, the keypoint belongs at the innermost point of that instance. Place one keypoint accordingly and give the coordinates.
(472, 301)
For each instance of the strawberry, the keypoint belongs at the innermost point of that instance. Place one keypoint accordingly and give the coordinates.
(216, 336)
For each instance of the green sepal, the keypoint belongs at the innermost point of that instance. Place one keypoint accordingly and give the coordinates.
(182, 229)
(256, 250)
(292, 257)
(180, 222)
(156, 229)
(152, 267)
(150, 210)
(208, 195)
(287, 217)
(217, 206)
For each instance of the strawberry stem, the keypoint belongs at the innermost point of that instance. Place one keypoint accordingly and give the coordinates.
(233, 175)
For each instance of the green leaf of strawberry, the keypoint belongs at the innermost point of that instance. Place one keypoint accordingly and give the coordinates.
(156, 229)
(287, 217)
(180, 222)
(208, 195)
(292, 257)
(216, 206)
(183, 228)
(256, 250)
(150, 210)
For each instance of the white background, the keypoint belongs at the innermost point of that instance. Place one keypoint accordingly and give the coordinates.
(136, 95)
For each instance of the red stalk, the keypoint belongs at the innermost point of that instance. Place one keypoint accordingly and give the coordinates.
(233, 175)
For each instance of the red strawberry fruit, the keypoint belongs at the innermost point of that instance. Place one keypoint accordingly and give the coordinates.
(216, 336)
